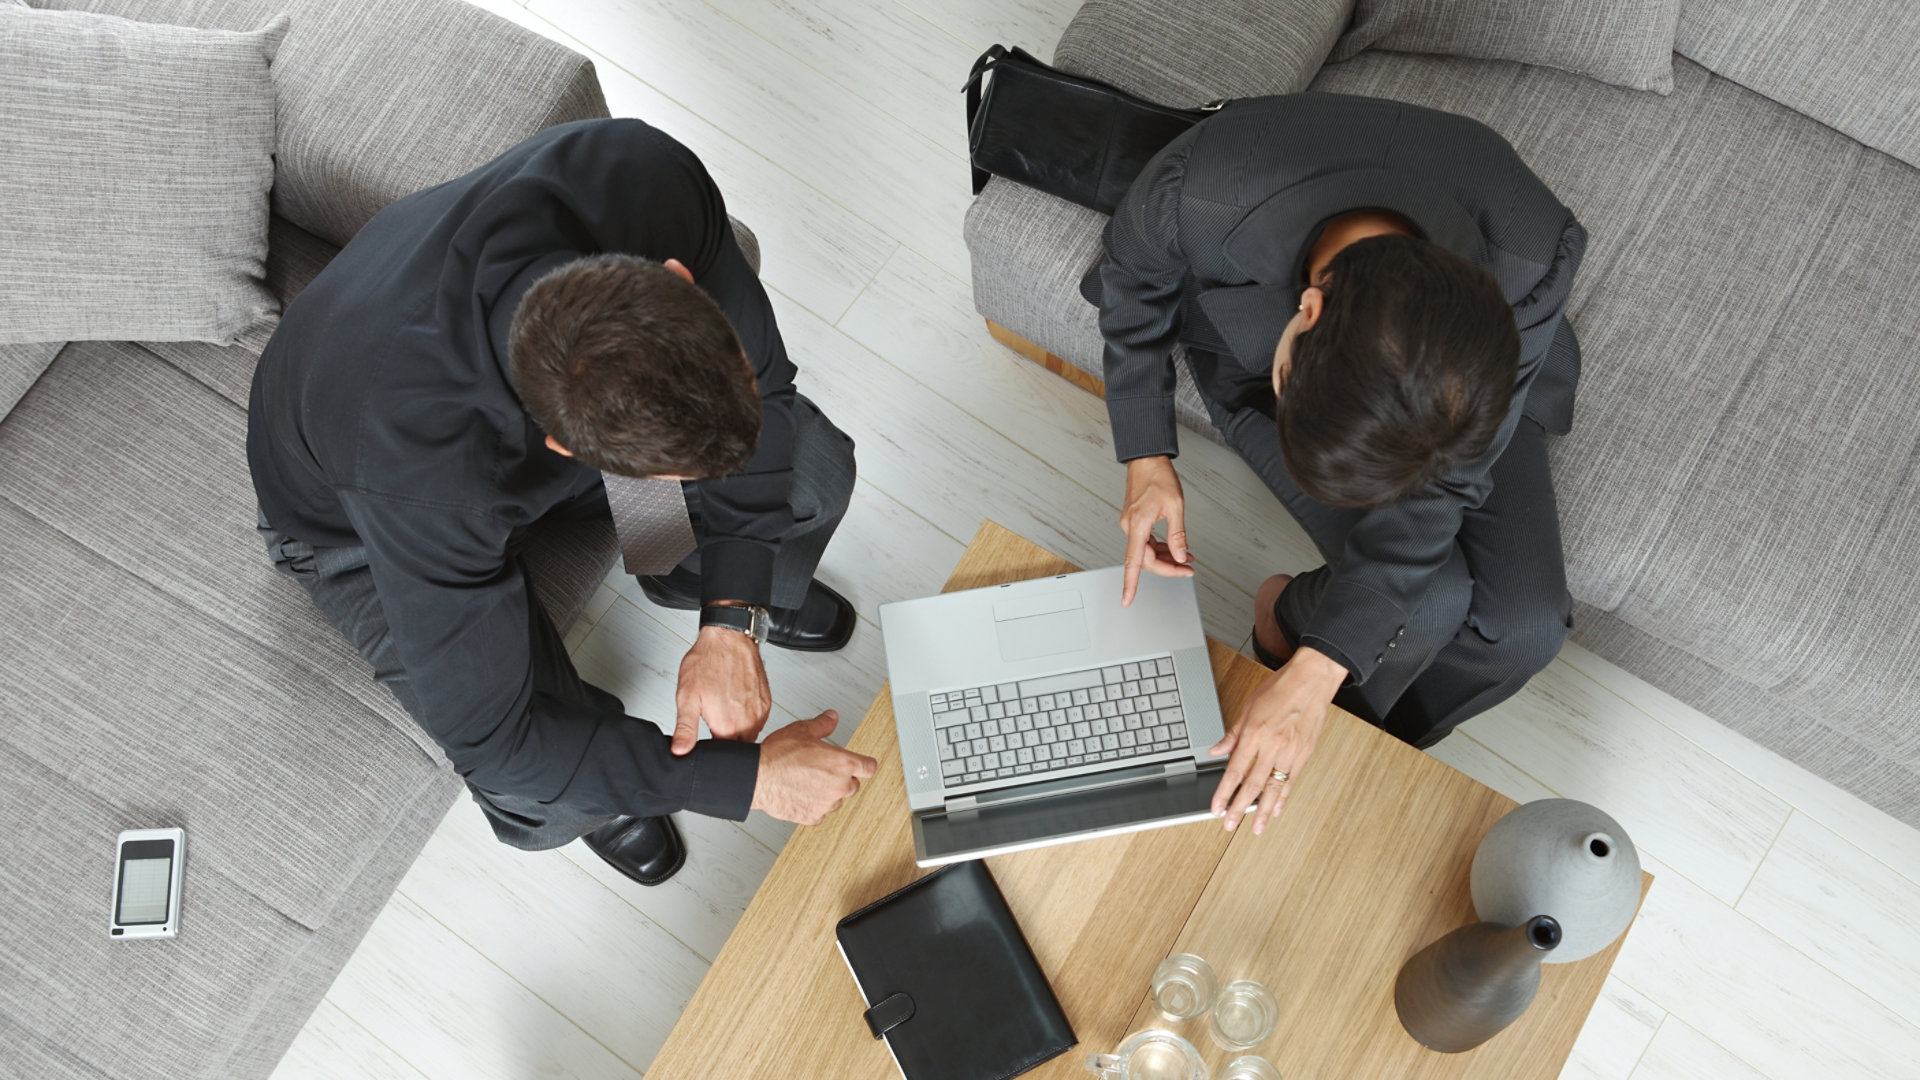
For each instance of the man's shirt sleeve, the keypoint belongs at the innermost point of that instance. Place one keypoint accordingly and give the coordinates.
(493, 685)
(1140, 282)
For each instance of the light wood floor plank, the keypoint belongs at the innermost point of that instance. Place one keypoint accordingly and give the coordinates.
(552, 927)
(1034, 25)
(1680, 1053)
(1845, 909)
(1866, 827)
(1742, 987)
(862, 45)
(881, 169)
(448, 1011)
(814, 248)
(333, 1046)
(1615, 1036)
(1701, 815)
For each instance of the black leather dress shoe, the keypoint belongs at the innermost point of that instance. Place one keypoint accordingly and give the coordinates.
(647, 849)
(823, 623)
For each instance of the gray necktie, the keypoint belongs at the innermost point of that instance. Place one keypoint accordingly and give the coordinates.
(650, 517)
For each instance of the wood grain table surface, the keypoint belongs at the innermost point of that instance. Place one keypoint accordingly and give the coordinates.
(1368, 863)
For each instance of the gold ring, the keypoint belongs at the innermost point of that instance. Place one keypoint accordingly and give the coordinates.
(1281, 775)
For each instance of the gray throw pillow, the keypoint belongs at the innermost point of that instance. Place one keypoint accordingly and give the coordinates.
(1624, 42)
(135, 164)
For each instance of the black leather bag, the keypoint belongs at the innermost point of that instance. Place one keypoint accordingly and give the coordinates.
(950, 981)
(1078, 139)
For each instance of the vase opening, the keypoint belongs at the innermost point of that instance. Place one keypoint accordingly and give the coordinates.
(1599, 845)
(1543, 932)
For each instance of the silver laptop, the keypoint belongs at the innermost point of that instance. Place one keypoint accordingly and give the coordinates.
(1042, 712)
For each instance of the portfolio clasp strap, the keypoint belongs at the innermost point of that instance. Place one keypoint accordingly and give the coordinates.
(889, 1013)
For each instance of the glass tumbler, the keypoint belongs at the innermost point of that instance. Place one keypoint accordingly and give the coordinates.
(1184, 985)
(1243, 1015)
(1251, 1067)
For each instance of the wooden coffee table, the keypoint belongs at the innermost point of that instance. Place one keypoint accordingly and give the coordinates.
(1368, 864)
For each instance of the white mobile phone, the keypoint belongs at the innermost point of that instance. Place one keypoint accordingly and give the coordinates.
(146, 883)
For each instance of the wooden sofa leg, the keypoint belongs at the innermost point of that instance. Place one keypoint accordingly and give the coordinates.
(1046, 359)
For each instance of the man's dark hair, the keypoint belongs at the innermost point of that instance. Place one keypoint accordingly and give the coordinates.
(634, 370)
(1408, 372)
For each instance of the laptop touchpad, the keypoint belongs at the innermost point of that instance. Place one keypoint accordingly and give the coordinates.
(1044, 625)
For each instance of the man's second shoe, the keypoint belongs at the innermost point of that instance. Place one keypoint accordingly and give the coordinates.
(823, 623)
(648, 850)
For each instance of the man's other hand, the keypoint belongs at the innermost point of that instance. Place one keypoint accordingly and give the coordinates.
(803, 777)
(1153, 495)
(723, 682)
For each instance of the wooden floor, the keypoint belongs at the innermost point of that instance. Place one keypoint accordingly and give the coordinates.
(1782, 939)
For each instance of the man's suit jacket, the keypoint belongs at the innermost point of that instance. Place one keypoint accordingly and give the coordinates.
(1208, 249)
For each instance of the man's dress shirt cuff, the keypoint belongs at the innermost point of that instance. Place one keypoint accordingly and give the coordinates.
(736, 570)
(1355, 626)
(1142, 427)
(724, 773)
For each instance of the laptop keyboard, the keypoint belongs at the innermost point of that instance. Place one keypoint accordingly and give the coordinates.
(1086, 717)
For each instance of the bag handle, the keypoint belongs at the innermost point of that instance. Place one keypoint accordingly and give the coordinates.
(987, 60)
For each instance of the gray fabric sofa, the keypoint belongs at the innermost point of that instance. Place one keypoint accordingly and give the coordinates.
(156, 671)
(1741, 491)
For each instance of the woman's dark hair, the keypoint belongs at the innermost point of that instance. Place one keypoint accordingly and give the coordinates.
(634, 370)
(1408, 372)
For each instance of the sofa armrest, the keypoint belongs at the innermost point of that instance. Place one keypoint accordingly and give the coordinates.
(1186, 54)
(379, 100)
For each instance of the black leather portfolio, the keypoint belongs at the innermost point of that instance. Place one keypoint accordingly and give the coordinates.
(950, 982)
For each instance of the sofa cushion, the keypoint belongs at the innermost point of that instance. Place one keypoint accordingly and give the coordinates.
(20, 365)
(89, 1004)
(1672, 333)
(1624, 42)
(380, 100)
(1849, 64)
(138, 163)
(1190, 54)
(284, 778)
(1798, 514)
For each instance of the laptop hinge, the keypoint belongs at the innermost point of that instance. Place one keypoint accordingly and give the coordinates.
(962, 804)
(1157, 771)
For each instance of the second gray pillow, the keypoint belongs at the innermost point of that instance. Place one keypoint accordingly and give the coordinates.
(1624, 42)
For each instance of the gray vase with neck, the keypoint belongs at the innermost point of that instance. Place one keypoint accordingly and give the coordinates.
(1468, 986)
(1563, 858)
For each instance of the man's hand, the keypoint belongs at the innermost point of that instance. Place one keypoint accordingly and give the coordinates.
(1153, 495)
(803, 777)
(1278, 729)
(723, 681)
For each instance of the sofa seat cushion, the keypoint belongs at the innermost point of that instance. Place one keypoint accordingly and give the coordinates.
(380, 100)
(285, 778)
(138, 163)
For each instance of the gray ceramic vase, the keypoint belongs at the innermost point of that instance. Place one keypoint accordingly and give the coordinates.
(1468, 986)
(1561, 858)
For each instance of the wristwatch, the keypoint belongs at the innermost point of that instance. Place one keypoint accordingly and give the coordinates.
(750, 620)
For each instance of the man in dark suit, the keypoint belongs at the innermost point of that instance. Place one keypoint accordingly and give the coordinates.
(1372, 298)
(507, 348)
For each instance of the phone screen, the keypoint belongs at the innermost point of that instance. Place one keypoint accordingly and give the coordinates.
(146, 880)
